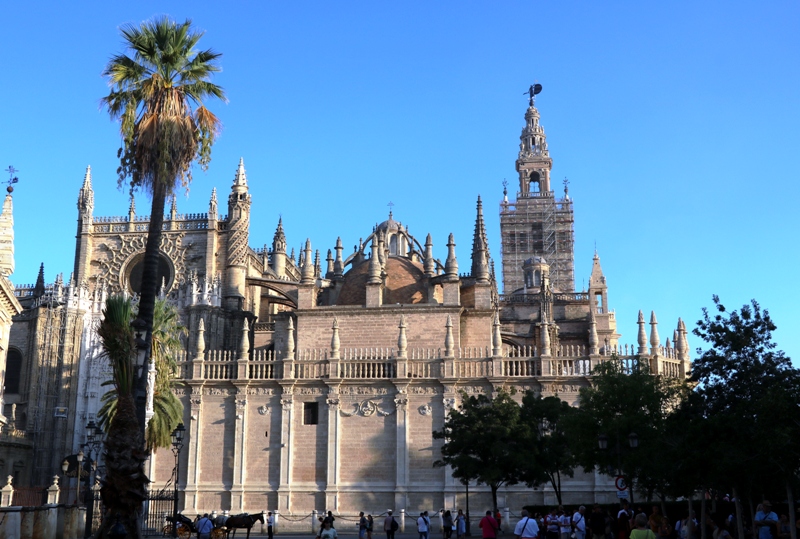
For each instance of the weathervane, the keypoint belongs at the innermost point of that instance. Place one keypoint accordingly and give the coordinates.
(505, 186)
(11, 178)
(532, 91)
(566, 186)
(391, 206)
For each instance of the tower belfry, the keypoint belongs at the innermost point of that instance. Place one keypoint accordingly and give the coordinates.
(536, 223)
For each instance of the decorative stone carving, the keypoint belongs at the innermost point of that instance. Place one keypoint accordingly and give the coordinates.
(122, 252)
(218, 391)
(310, 391)
(401, 402)
(425, 409)
(241, 404)
(424, 390)
(286, 404)
(473, 390)
(195, 402)
(363, 390)
(564, 388)
(260, 391)
(449, 403)
(366, 409)
(332, 403)
(263, 409)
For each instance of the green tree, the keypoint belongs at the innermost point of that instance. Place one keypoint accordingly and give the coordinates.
(545, 420)
(158, 89)
(167, 331)
(625, 399)
(748, 395)
(124, 486)
(483, 441)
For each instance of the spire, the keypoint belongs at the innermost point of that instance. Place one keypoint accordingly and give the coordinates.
(480, 264)
(38, 290)
(173, 208)
(317, 265)
(449, 341)
(338, 263)
(430, 264)
(86, 196)
(279, 239)
(597, 279)
(335, 339)
(655, 342)
(374, 276)
(200, 345)
(402, 341)
(329, 260)
(7, 236)
(132, 208)
(451, 264)
(497, 338)
(642, 335)
(240, 180)
(212, 204)
(307, 272)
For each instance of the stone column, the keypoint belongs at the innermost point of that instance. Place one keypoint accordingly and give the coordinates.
(334, 454)
(284, 488)
(401, 451)
(451, 486)
(191, 500)
(239, 450)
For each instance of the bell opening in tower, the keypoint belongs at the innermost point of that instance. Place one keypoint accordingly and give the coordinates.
(534, 185)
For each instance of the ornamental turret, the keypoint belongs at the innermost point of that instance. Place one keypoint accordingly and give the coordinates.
(237, 244)
(480, 251)
(279, 250)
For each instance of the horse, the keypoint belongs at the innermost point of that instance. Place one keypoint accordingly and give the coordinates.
(185, 523)
(242, 521)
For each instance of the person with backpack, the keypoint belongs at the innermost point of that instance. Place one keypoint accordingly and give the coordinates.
(526, 527)
(390, 525)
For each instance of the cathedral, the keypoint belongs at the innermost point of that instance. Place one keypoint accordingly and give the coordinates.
(314, 381)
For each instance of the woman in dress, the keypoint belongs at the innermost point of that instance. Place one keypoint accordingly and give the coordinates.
(447, 524)
(461, 524)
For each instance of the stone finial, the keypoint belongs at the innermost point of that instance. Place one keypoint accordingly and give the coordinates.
(200, 345)
(279, 239)
(480, 263)
(402, 341)
(451, 264)
(317, 264)
(338, 263)
(240, 180)
(546, 340)
(642, 339)
(374, 276)
(132, 208)
(307, 272)
(497, 338)
(173, 208)
(449, 341)
(335, 339)
(86, 195)
(593, 341)
(244, 346)
(329, 270)
(38, 289)
(290, 339)
(655, 341)
(429, 263)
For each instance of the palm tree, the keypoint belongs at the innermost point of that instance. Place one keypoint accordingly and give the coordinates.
(158, 88)
(124, 487)
(167, 331)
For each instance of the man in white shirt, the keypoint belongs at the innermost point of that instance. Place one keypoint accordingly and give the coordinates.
(526, 527)
(270, 524)
(422, 526)
(579, 523)
(565, 523)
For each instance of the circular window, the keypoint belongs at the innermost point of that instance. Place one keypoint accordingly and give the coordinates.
(136, 269)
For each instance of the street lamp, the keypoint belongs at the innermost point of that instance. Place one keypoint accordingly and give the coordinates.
(177, 445)
(633, 442)
(94, 439)
(65, 469)
(79, 457)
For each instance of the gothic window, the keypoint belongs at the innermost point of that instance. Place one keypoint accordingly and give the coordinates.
(599, 303)
(537, 278)
(533, 187)
(136, 268)
(13, 371)
(310, 413)
(393, 245)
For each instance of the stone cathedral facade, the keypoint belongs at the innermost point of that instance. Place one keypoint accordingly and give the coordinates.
(315, 380)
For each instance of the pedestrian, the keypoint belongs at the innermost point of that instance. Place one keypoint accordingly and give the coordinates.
(766, 522)
(551, 524)
(597, 523)
(447, 524)
(370, 525)
(526, 528)
(461, 525)
(488, 526)
(389, 525)
(204, 527)
(624, 518)
(641, 529)
(564, 523)
(422, 526)
(362, 526)
(499, 518)
(327, 531)
(579, 523)
(329, 518)
(270, 524)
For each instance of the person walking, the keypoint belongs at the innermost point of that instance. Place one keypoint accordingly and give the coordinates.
(564, 523)
(526, 528)
(641, 529)
(327, 531)
(551, 524)
(488, 526)
(422, 526)
(370, 525)
(270, 524)
(389, 525)
(362, 526)
(461, 525)
(579, 523)
(447, 524)
(766, 522)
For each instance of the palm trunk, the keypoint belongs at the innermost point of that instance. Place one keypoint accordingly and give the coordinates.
(792, 515)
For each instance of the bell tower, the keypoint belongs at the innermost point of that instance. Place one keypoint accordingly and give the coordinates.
(537, 223)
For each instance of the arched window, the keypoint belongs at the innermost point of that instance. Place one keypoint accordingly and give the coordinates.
(13, 370)
(534, 186)
(537, 278)
(393, 245)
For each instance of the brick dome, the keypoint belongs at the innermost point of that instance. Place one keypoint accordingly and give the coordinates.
(404, 283)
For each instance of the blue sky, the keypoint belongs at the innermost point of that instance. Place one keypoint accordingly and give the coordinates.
(676, 123)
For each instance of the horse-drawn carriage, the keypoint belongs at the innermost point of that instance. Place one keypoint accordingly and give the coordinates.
(223, 526)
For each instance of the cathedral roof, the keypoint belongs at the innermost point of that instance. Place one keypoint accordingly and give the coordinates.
(405, 283)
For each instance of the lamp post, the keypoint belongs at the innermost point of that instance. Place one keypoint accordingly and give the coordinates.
(94, 439)
(177, 445)
(79, 458)
(65, 469)
(633, 442)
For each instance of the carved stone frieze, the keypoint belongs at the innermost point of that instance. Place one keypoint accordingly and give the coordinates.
(119, 254)
(363, 390)
(260, 391)
(425, 409)
(424, 390)
(263, 409)
(367, 408)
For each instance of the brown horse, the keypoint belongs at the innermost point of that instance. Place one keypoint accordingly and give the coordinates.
(242, 521)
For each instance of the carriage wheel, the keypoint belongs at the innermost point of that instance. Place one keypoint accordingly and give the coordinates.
(166, 530)
(219, 533)
(184, 532)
